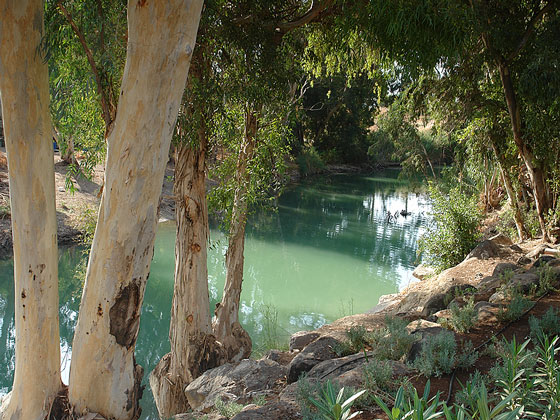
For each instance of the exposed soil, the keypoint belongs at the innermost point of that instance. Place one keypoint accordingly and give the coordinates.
(72, 207)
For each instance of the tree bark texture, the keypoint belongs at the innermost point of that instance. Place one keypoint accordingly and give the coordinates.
(536, 173)
(27, 127)
(226, 324)
(104, 377)
(517, 217)
(194, 348)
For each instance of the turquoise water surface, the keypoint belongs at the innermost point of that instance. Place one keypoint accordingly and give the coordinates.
(328, 251)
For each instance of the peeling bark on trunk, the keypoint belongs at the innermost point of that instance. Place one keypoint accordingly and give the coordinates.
(104, 377)
(536, 173)
(25, 109)
(226, 324)
(194, 348)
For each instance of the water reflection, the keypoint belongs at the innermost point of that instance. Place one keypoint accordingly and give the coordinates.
(327, 252)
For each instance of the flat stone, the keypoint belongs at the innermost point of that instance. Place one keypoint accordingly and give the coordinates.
(316, 352)
(282, 357)
(301, 339)
(485, 250)
(234, 382)
(422, 272)
(421, 325)
(271, 411)
(501, 239)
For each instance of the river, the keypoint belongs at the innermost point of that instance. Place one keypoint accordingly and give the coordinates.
(326, 252)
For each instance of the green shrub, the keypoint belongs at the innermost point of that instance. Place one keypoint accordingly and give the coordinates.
(309, 161)
(357, 337)
(547, 279)
(327, 395)
(378, 376)
(548, 325)
(393, 341)
(463, 318)
(228, 409)
(515, 308)
(454, 231)
(438, 355)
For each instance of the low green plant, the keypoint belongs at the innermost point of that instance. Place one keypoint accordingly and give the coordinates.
(412, 407)
(468, 393)
(392, 341)
(228, 409)
(378, 380)
(467, 357)
(325, 400)
(462, 318)
(259, 400)
(86, 223)
(515, 309)
(333, 405)
(547, 279)
(309, 161)
(357, 337)
(454, 231)
(438, 355)
(547, 325)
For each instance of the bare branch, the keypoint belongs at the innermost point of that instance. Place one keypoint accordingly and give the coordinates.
(311, 15)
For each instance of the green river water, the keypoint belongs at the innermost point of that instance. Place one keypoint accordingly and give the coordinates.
(327, 252)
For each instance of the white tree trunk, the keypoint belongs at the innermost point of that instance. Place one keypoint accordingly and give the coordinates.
(104, 377)
(25, 104)
(226, 326)
(193, 346)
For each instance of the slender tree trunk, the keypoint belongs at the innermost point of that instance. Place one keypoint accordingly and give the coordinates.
(104, 377)
(517, 217)
(227, 328)
(24, 86)
(194, 348)
(536, 173)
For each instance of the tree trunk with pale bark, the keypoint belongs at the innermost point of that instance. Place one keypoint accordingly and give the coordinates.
(536, 173)
(194, 348)
(104, 376)
(226, 325)
(27, 128)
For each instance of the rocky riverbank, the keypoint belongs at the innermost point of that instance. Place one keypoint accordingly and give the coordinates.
(268, 388)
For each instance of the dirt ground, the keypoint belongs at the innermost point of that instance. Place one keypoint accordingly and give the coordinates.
(72, 207)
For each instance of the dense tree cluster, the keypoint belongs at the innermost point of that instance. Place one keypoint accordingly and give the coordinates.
(474, 85)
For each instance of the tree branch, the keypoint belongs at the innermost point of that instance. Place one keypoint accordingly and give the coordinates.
(311, 15)
(104, 103)
(530, 29)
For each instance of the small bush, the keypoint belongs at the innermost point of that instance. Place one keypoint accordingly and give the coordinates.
(463, 318)
(378, 376)
(309, 161)
(454, 231)
(438, 355)
(515, 309)
(393, 341)
(228, 409)
(308, 393)
(468, 394)
(357, 337)
(548, 325)
(547, 279)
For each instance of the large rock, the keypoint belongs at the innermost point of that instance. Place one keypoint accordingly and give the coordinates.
(501, 239)
(299, 340)
(423, 272)
(235, 382)
(332, 369)
(485, 250)
(384, 302)
(536, 252)
(316, 352)
(271, 411)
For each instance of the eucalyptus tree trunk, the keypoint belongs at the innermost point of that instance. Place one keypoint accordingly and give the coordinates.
(24, 87)
(517, 217)
(104, 376)
(226, 325)
(536, 173)
(194, 348)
